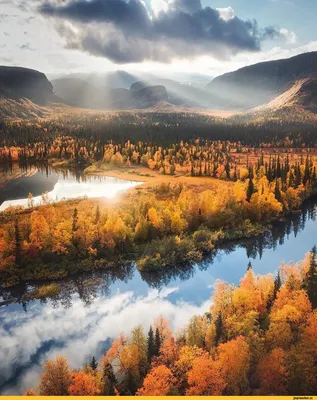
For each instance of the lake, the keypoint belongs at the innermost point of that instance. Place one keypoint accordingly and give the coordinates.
(59, 184)
(92, 309)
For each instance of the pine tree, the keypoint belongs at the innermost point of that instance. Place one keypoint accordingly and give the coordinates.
(250, 190)
(277, 286)
(158, 342)
(109, 380)
(298, 178)
(291, 179)
(93, 364)
(277, 192)
(311, 279)
(249, 266)
(151, 348)
(219, 328)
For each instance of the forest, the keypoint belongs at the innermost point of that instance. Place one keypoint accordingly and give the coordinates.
(285, 128)
(223, 181)
(256, 339)
(158, 227)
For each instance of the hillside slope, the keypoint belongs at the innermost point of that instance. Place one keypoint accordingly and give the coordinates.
(300, 95)
(260, 83)
(22, 83)
(80, 93)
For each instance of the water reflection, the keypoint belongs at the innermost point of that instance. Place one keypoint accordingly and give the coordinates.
(16, 183)
(88, 311)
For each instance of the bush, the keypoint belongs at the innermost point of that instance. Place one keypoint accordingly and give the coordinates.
(203, 239)
(167, 252)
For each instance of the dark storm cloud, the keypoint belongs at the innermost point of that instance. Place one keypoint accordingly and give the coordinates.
(124, 31)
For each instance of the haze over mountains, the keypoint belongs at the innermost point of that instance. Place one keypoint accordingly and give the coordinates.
(288, 82)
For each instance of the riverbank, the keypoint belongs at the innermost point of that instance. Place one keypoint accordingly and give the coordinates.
(166, 221)
(150, 178)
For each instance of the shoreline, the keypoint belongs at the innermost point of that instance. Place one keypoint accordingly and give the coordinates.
(150, 178)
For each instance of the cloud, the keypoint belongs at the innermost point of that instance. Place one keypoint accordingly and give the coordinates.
(127, 31)
(46, 331)
(226, 13)
(290, 36)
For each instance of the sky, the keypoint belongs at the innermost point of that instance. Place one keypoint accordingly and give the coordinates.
(207, 37)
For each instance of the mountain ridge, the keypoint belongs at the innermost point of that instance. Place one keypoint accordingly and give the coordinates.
(260, 83)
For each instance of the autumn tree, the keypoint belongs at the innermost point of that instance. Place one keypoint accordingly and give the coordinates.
(233, 360)
(18, 240)
(138, 339)
(205, 378)
(56, 379)
(30, 392)
(196, 331)
(39, 230)
(83, 385)
(158, 382)
(272, 373)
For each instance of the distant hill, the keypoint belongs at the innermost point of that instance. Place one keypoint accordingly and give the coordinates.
(106, 80)
(179, 94)
(260, 83)
(22, 83)
(79, 93)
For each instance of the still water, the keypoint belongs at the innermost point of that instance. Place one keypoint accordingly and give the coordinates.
(59, 185)
(91, 310)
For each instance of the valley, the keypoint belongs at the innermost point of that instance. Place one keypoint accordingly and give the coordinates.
(125, 201)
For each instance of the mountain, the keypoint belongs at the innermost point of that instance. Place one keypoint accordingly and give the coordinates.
(260, 83)
(79, 93)
(106, 80)
(300, 95)
(138, 99)
(179, 94)
(18, 83)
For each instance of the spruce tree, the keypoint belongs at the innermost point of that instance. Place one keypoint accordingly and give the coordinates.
(250, 190)
(277, 286)
(109, 380)
(158, 342)
(311, 279)
(151, 348)
(277, 192)
(219, 328)
(93, 364)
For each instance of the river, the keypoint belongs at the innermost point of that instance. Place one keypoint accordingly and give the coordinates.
(59, 184)
(92, 309)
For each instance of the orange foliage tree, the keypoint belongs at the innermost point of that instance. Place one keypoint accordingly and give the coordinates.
(56, 378)
(205, 378)
(233, 360)
(159, 382)
(83, 385)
